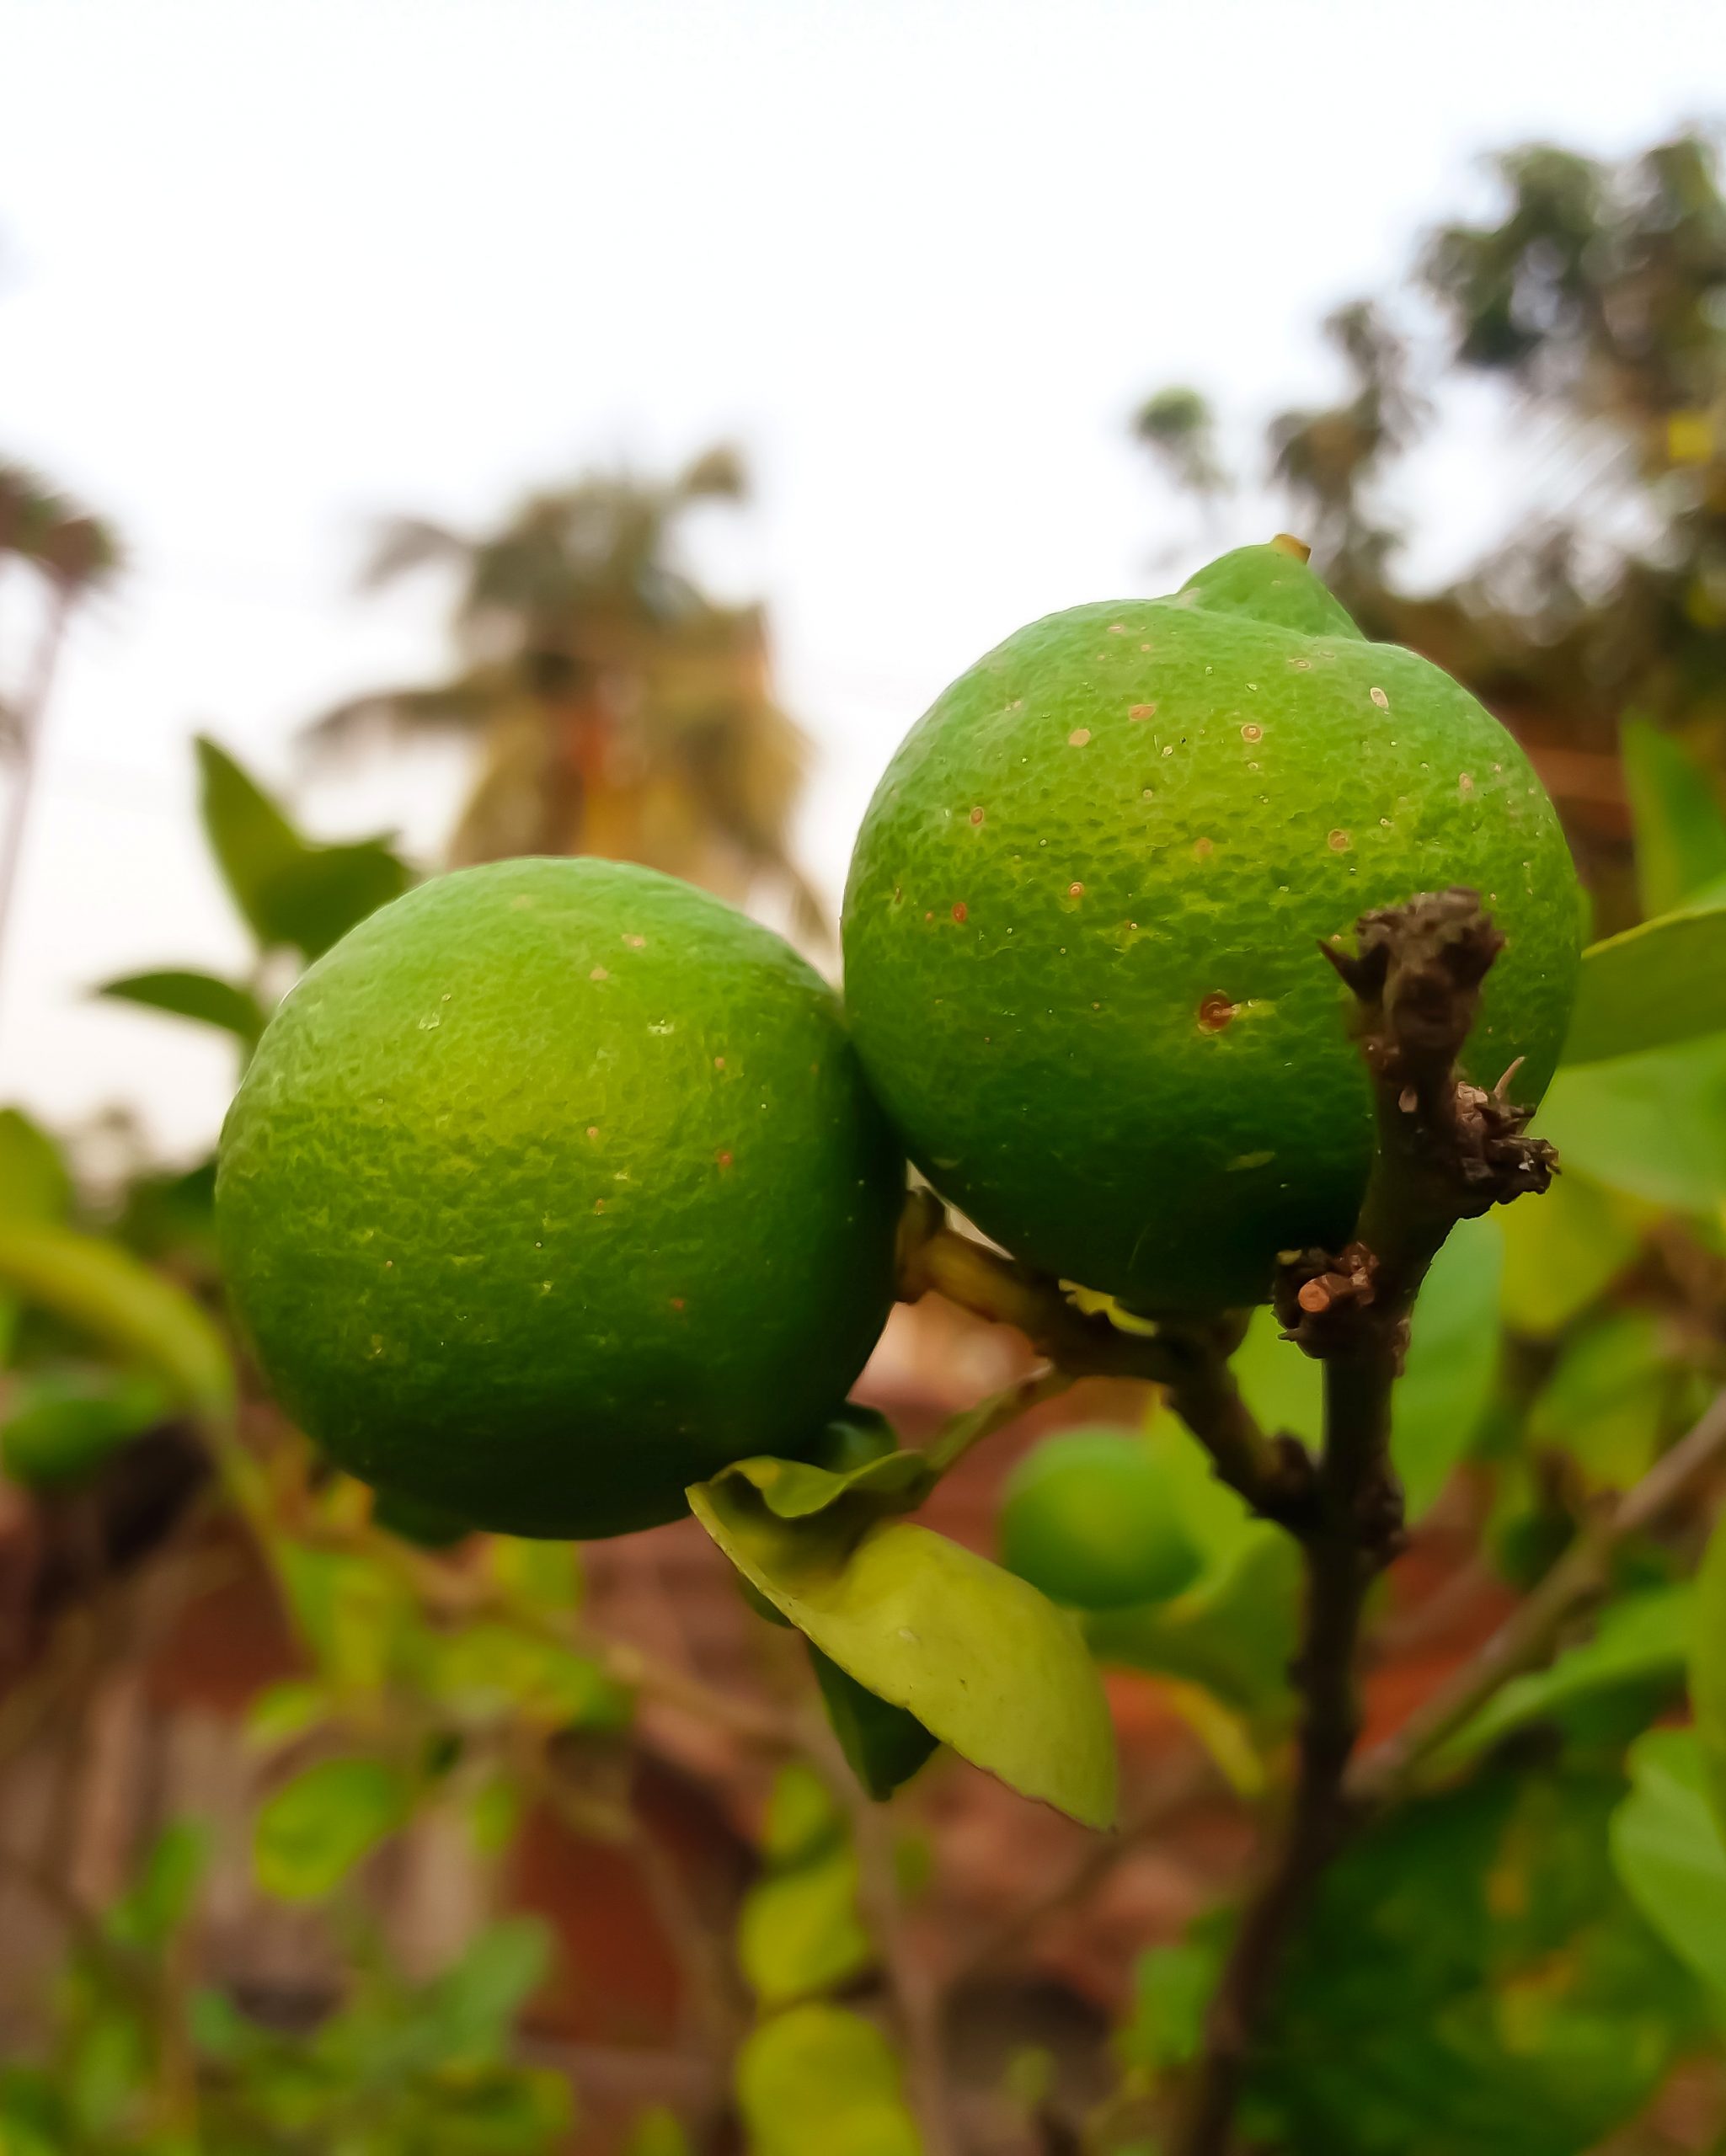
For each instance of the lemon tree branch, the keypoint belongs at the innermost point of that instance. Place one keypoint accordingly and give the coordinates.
(1445, 1151)
(1187, 1356)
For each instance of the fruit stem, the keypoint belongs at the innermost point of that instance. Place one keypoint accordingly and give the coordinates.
(1446, 1151)
(1187, 1356)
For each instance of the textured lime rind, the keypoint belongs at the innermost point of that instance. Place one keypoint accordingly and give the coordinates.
(552, 1189)
(1081, 921)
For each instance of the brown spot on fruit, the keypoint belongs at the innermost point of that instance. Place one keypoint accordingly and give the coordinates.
(1075, 890)
(1203, 849)
(1215, 1012)
(1079, 736)
(1338, 841)
(1379, 698)
(1251, 733)
(961, 911)
(976, 815)
(723, 1158)
(1141, 711)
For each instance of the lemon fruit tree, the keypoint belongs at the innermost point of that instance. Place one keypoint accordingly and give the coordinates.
(552, 1188)
(1081, 916)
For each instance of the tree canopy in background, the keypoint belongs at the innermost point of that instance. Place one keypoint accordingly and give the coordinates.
(1595, 299)
(618, 707)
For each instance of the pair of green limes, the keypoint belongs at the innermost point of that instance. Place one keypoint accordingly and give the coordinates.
(558, 1184)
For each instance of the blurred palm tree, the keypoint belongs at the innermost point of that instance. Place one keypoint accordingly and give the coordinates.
(72, 553)
(617, 708)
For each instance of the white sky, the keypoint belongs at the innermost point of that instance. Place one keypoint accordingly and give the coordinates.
(269, 268)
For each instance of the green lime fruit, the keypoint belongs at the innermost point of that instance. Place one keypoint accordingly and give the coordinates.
(1086, 1517)
(554, 1187)
(1081, 920)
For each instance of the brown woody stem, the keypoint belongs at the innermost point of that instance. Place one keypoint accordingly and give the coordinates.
(1445, 1151)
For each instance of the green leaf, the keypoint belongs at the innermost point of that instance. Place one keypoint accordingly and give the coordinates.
(1562, 1250)
(360, 1622)
(289, 891)
(202, 997)
(161, 1897)
(883, 1746)
(251, 838)
(1472, 1980)
(61, 1428)
(794, 1489)
(283, 1712)
(1639, 1642)
(101, 1290)
(1234, 1633)
(311, 902)
(1609, 1399)
(474, 2004)
(1680, 833)
(311, 1833)
(1707, 1664)
(658, 2132)
(1660, 982)
(1452, 1363)
(819, 2078)
(1668, 1850)
(547, 1574)
(490, 1669)
(1171, 1989)
(1653, 1125)
(982, 1660)
(34, 1182)
(1283, 1388)
(798, 1931)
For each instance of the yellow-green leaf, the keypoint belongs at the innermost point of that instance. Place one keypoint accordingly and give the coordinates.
(980, 1658)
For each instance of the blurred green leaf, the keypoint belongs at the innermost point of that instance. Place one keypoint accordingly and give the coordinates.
(1472, 1982)
(817, 2078)
(1653, 1124)
(63, 1425)
(883, 1746)
(489, 1667)
(547, 1574)
(1639, 1640)
(313, 901)
(1562, 1250)
(1662, 981)
(281, 1712)
(1234, 1633)
(202, 997)
(1707, 1665)
(1283, 1388)
(34, 1184)
(103, 1291)
(288, 890)
(1667, 1846)
(980, 1659)
(1171, 1989)
(160, 1897)
(658, 2132)
(361, 1623)
(798, 1931)
(873, 1489)
(1680, 833)
(313, 1830)
(475, 2002)
(1452, 1362)
(1609, 1399)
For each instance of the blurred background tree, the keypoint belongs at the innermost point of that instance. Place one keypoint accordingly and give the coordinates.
(616, 707)
(1595, 300)
(72, 554)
